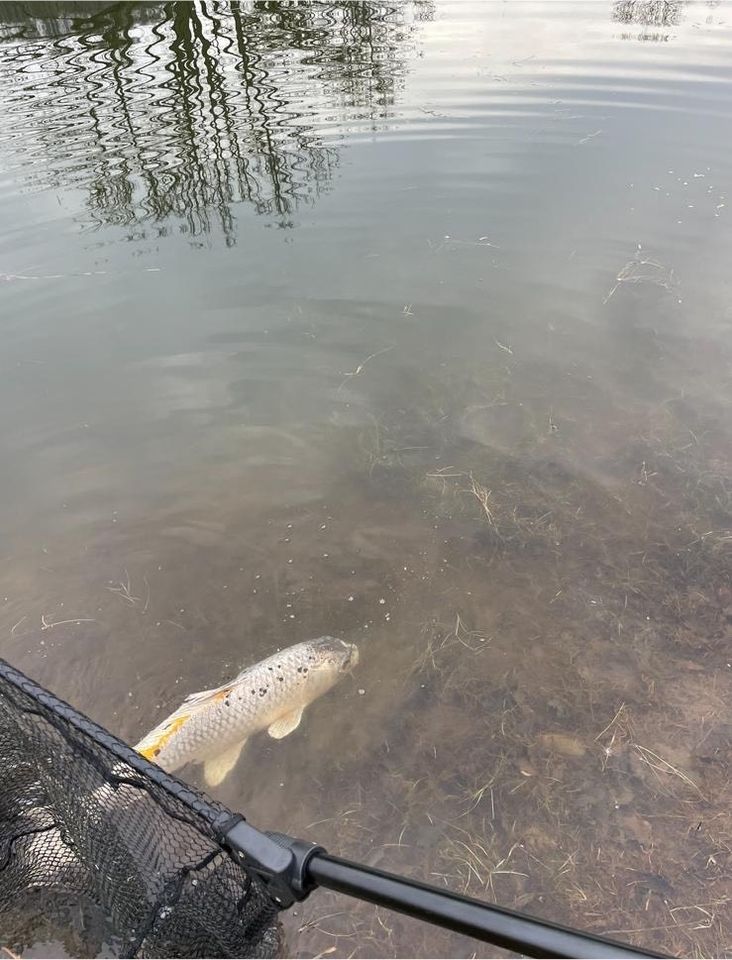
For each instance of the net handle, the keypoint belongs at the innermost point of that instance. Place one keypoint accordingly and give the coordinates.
(292, 869)
(524, 934)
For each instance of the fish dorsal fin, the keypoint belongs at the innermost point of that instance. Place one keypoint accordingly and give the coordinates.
(199, 701)
(195, 698)
(217, 768)
(242, 674)
(285, 724)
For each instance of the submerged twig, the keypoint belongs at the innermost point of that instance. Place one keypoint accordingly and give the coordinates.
(359, 368)
(45, 625)
(483, 496)
(663, 766)
(643, 270)
(123, 589)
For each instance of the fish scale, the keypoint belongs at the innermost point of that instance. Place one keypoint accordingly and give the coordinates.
(212, 726)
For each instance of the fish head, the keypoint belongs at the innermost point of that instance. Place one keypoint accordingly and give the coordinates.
(328, 659)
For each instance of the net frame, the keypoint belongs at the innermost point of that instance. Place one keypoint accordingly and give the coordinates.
(89, 826)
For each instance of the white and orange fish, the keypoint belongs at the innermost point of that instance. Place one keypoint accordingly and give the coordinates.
(211, 727)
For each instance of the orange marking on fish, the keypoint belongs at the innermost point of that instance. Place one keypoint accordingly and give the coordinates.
(154, 748)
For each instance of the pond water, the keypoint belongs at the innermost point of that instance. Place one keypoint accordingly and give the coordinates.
(410, 324)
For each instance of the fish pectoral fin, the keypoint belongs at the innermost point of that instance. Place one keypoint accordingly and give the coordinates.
(285, 724)
(217, 768)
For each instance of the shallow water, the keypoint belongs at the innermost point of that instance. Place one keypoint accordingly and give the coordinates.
(411, 325)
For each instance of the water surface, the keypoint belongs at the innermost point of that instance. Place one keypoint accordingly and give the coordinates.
(408, 324)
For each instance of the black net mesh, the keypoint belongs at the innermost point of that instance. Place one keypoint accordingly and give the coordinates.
(101, 848)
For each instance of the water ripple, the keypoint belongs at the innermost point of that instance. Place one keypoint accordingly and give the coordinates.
(184, 110)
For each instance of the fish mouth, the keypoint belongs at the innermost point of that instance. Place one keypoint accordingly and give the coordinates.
(337, 652)
(352, 656)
